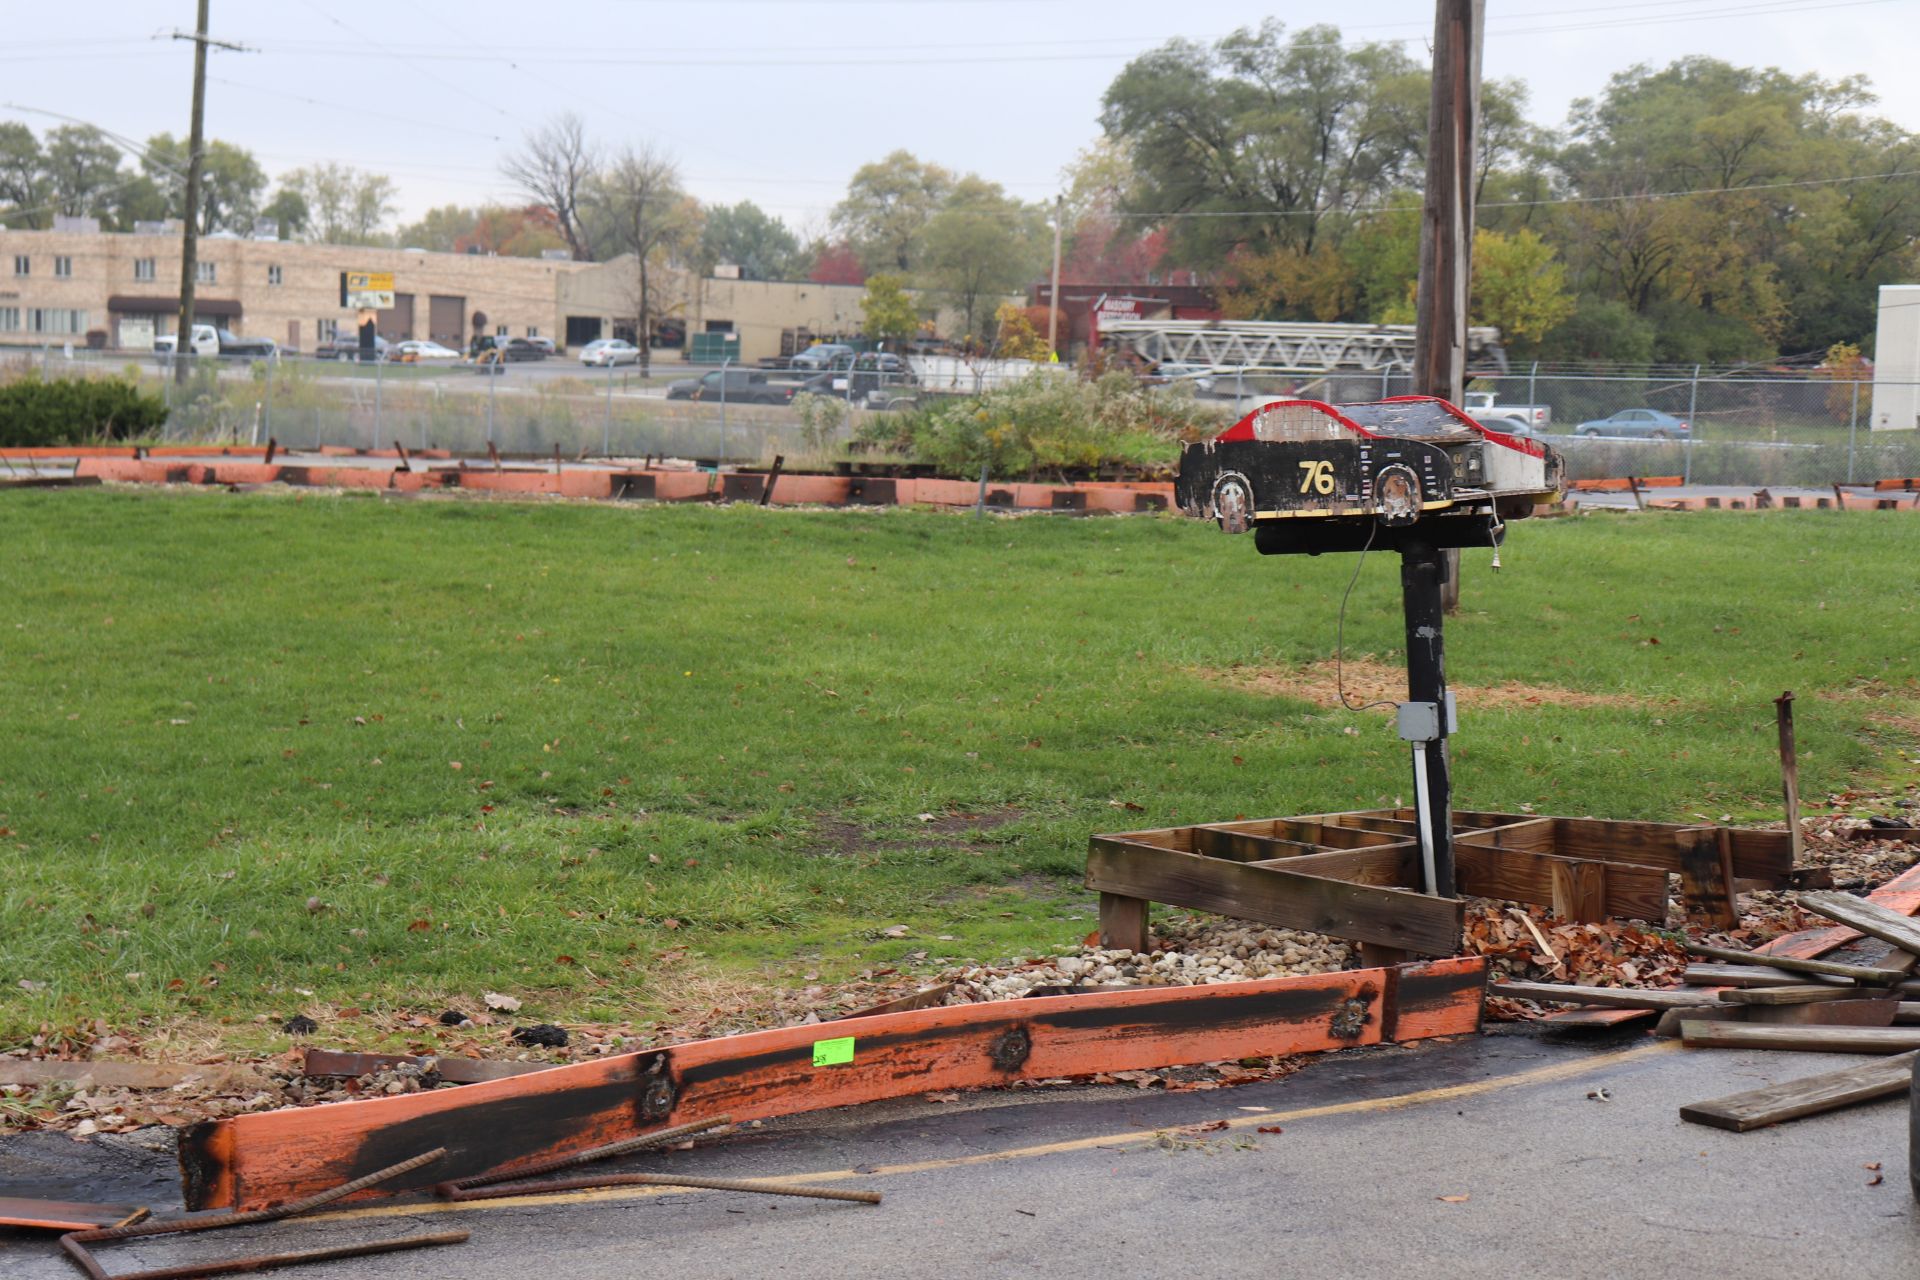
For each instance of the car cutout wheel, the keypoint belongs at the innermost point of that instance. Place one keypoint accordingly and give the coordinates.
(1233, 502)
(1591, 433)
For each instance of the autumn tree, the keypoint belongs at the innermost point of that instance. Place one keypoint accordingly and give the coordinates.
(887, 310)
(1518, 287)
(1015, 335)
(836, 264)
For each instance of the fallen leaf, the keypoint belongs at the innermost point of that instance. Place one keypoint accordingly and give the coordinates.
(1269, 1128)
(943, 1097)
(1210, 1126)
(1872, 1168)
(494, 1000)
(1454, 1199)
(1876, 1180)
(419, 926)
(895, 931)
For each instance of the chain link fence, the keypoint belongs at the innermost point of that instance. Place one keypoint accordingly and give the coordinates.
(1719, 428)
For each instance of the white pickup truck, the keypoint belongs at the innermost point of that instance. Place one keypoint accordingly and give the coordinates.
(1533, 419)
(211, 340)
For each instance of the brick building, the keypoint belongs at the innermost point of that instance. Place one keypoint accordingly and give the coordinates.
(59, 286)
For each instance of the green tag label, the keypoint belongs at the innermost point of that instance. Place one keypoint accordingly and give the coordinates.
(833, 1053)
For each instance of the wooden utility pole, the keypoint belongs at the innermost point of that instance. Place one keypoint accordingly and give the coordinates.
(1053, 297)
(1446, 224)
(190, 239)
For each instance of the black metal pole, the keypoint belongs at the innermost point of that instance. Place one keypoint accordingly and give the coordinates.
(1422, 579)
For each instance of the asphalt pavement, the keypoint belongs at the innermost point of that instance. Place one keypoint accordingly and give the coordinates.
(1515, 1153)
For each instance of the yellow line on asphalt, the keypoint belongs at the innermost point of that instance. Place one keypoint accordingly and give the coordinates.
(1445, 1093)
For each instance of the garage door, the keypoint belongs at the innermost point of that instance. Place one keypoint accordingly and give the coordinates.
(447, 321)
(395, 323)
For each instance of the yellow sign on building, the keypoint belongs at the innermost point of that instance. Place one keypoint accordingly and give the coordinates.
(369, 290)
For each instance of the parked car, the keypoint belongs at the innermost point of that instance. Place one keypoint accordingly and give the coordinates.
(878, 379)
(819, 356)
(346, 346)
(1510, 426)
(414, 351)
(545, 344)
(737, 386)
(609, 351)
(511, 349)
(1480, 406)
(1651, 424)
(211, 340)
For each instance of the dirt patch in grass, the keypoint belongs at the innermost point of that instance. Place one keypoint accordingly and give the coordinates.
(1368, 680)
(842, 838)
(1895, 707)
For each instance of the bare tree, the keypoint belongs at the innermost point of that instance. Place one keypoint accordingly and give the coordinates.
(554, 166)
(638, 199)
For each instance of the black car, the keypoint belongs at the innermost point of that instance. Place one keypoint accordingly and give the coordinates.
(510, 349)
(738, 386)
(232, 344)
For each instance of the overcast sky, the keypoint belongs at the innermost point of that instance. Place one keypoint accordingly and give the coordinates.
(779, 101)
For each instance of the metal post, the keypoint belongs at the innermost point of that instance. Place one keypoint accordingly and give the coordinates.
(980, 499)
(724, 362)
(493, 368)
(1422, 574)
(190, 212)
(1385, 371)
(379, 375)
(606, 448)
(1693, 426)
(1853, 426)
(1053, 297)
(1533, 398)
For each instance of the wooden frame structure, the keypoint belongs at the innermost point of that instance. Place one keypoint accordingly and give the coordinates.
(1355, 875)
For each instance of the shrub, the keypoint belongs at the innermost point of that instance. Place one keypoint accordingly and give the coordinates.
(34, 412)
(1050, 423)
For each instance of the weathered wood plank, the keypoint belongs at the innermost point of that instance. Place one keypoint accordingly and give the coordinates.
(1580, 890)
(1756, 855)
(1535, 835)
(66, 1215)
(1668, 1028)
(1123, 922)
(1359, 913)
(1799, 994)
(1794, 964)
(1706, 877)
(1825, 1013)
(1809, 1096)
(1610, 997)
(216, 1077)
(1245, 846)
(1638, 893)
(334, 1062)
(1869, 918)
(1713, 1035)
(1390, 866)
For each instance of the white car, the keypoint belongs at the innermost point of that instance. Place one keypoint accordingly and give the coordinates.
(609, 351)
(418, 349)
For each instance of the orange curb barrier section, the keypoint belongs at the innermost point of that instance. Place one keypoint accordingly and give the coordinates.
(267, 1158)
(661, 486)
(1624, 486)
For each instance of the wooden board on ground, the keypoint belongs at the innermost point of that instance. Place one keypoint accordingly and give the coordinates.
(1811, 1096)
(1796, 964)
(1789, 995)
(1359, 913)
(66, 1215)
(1610, 997)
(1588, 891)
(213, 1078)
(1706, 877)
(1668, 1028)
(336, 1063)
(1825, 1013)
(1717, 1035)
(1867, 917)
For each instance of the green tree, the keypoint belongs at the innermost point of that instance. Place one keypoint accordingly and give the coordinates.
(344, 205)
(290, 214)
(81, 171)
(637, 205)
(887, 310)
(1277, 139)
(753, 240)
(438, 229)
(1518, 287)
(231, 182)
(981, 246)
(888, 207)
(1603, 331)
(22, 177)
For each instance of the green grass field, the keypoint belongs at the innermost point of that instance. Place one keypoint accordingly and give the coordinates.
(259, 752)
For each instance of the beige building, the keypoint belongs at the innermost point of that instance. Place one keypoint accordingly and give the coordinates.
(60, 286)
(77, 284)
